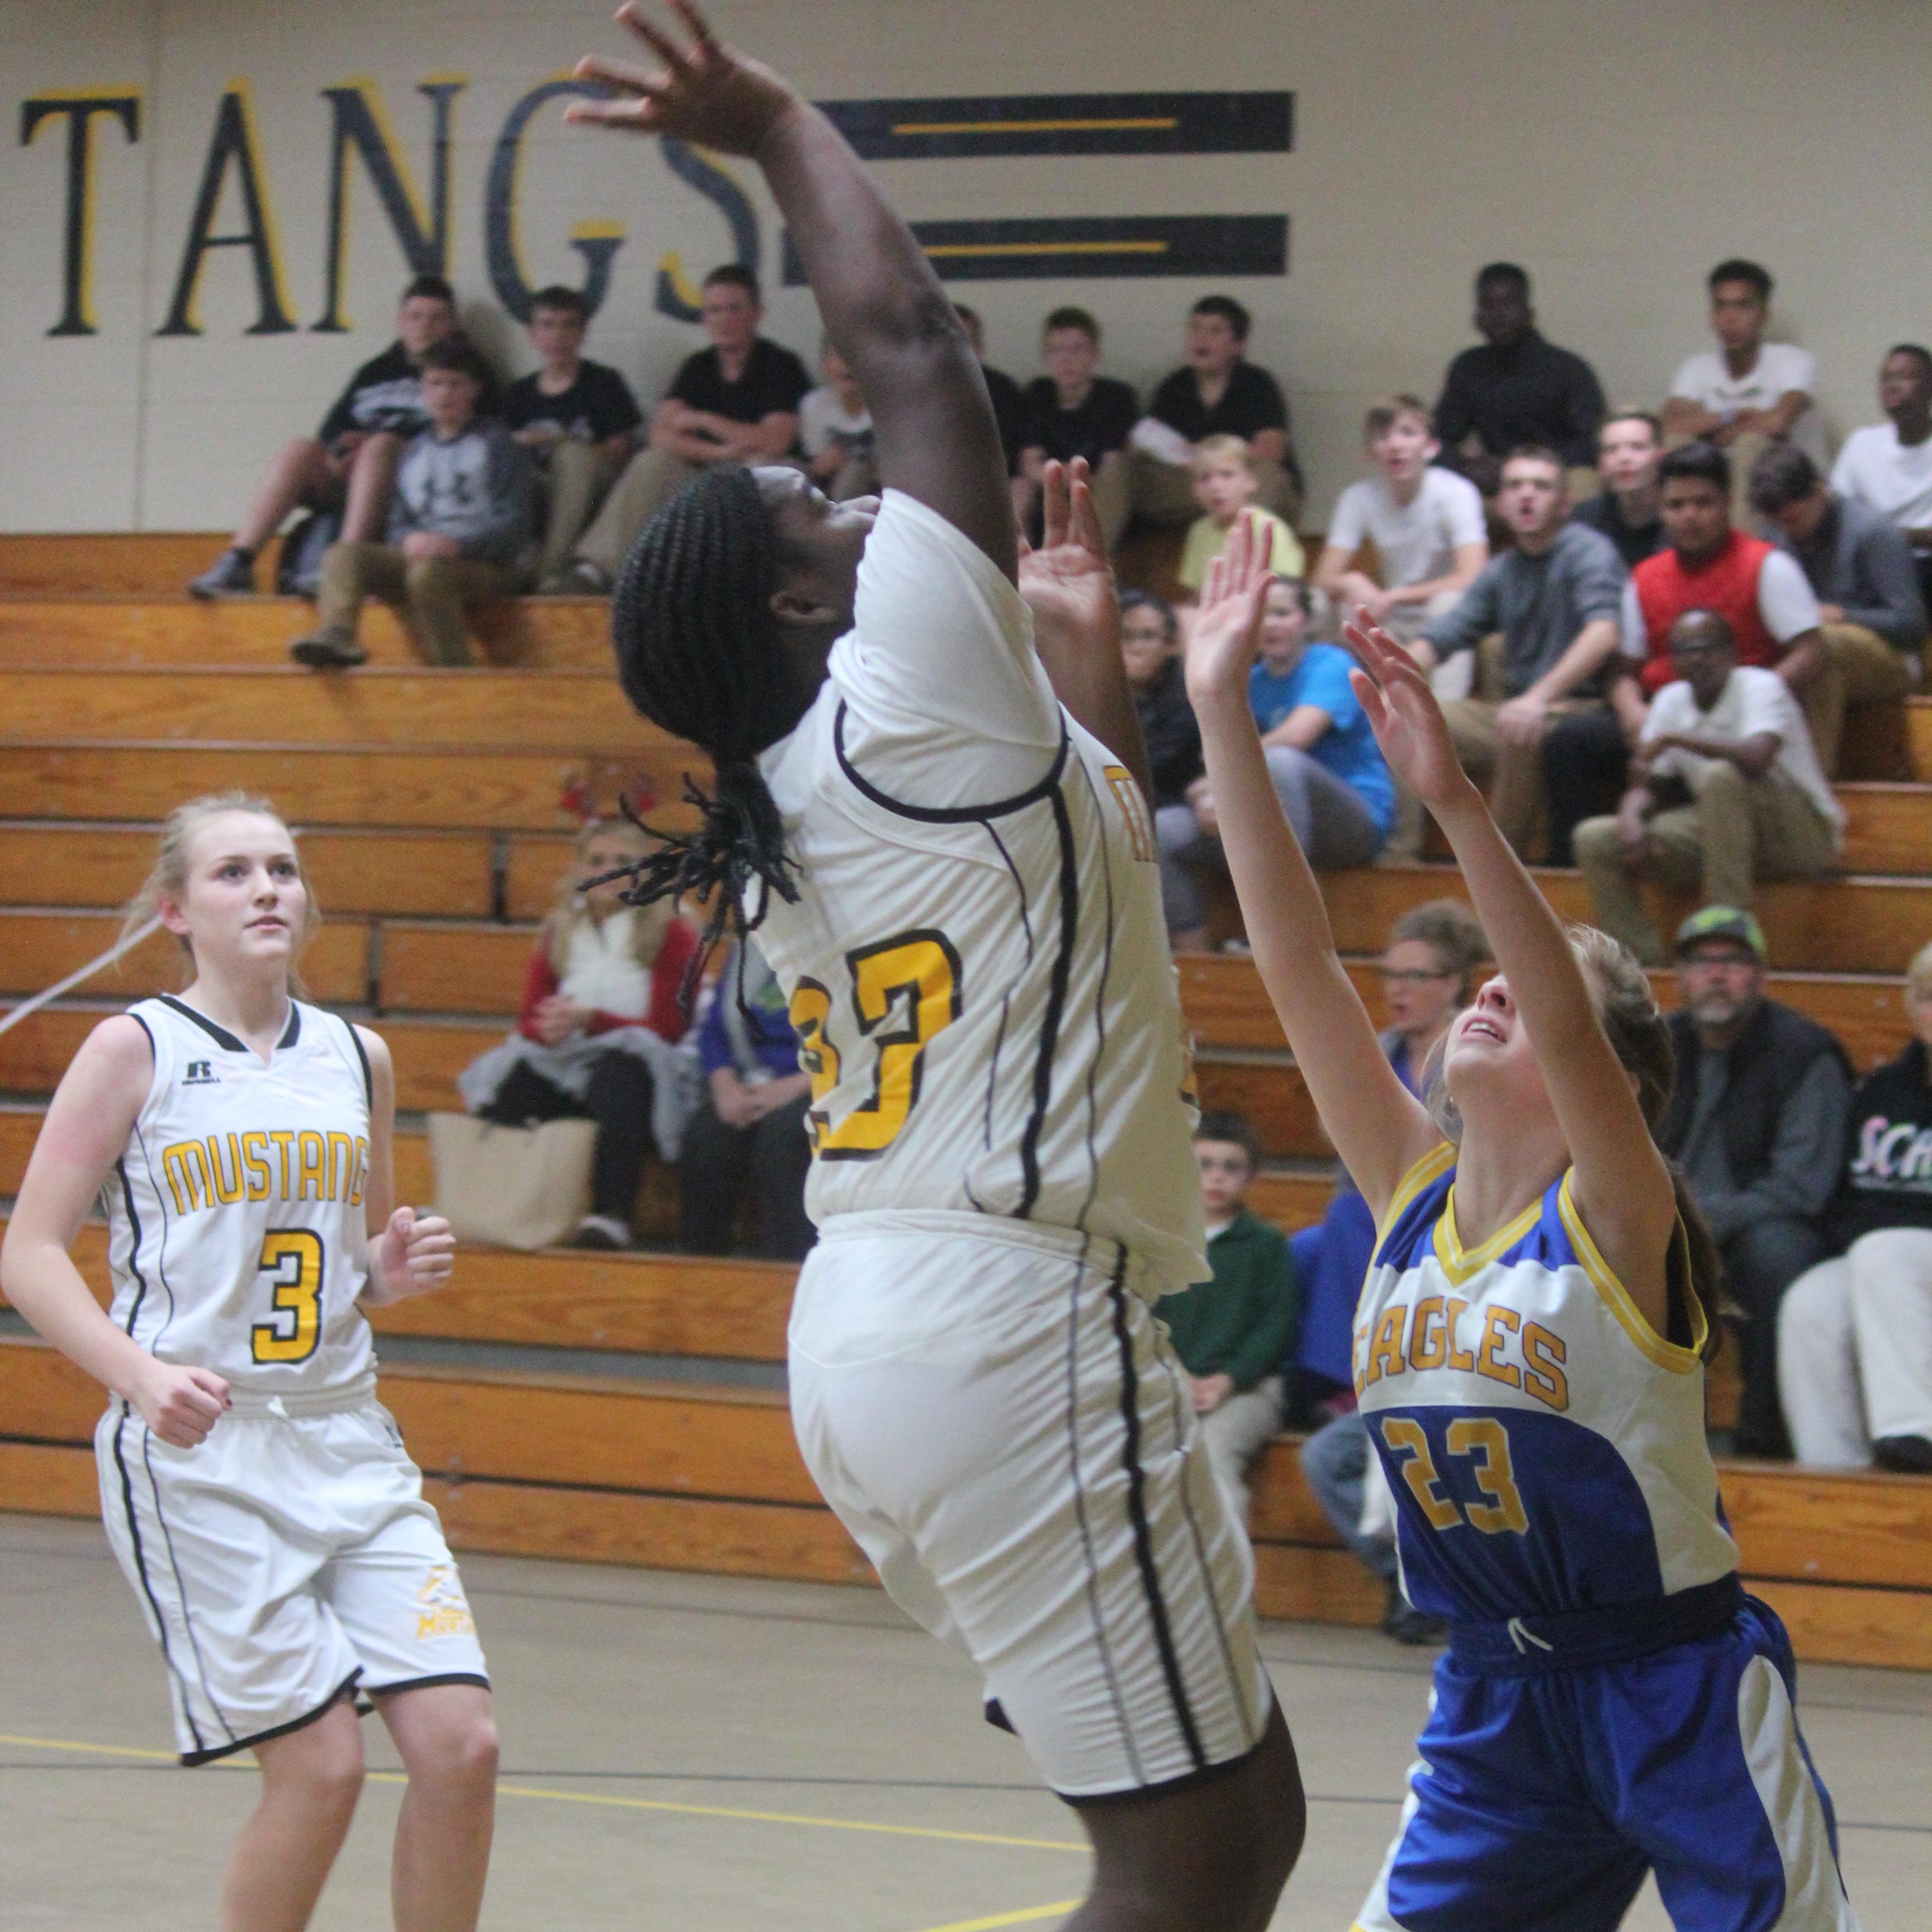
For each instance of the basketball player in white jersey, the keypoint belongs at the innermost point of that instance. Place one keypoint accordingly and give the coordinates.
(257, 1496)
(931, 804)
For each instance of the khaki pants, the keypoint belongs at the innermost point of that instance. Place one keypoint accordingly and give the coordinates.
(575, 477)
(1163, 493)
(1238, 1432)
(1859, 667)
(1113, 487)
(1740, 830)
(433, 594)
(650, 480)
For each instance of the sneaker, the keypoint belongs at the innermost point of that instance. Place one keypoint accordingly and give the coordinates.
(329, 650)
(579, 579)
(604, 1232)
(1904, 1455)
(231, 574)
(1407, 1624)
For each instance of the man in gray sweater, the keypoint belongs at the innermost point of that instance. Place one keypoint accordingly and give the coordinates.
(1861, 567)
(1537, 726)
(461, 529)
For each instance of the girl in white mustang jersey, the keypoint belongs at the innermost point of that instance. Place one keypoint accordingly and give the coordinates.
(1528, 1354)
(258, 1498)
(942, 834)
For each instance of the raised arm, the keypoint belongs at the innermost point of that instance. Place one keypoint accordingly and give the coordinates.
(882, 304)
(1621, 1186)
(1378, 1128)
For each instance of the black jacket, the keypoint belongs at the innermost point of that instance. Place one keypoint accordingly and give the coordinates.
(1887, 1180)
(1172, 737)
(1769, 1063)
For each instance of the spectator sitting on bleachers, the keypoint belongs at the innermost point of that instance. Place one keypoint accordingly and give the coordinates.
(1515, 390)
(1328, 771)
(1425, 522)
(578, 422)
(460, 530)
(1630, 445)
(1761, 593)
(1860, 569)
(1855, 1333)
(835, 431)
(1428, 973)
(1888, 465)
(1747, 393)
(1073, 410)
(735, 402)
(1756, 1119)
(1547, 737)
(1226, 482)
(1008, 405)
(1150, 636)
(1216, 391)
(750, 1126)
(1725, 791)
(348, 467)
(597, 1034)
(1231, 1332)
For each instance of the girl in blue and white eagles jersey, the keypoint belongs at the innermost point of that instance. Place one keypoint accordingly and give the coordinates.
(1527, 1355)
(257, 1494)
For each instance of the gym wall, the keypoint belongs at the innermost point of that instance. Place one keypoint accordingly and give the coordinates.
(207, 208)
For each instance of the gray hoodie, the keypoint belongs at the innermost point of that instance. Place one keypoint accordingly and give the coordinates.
(476, 487)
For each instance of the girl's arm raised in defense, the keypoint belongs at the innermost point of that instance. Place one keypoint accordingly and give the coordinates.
(86, 1132)
(1379, 1129)
(1621, 1186)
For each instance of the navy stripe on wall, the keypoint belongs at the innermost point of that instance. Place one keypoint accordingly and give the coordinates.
(1097, 245)
(1066, 124)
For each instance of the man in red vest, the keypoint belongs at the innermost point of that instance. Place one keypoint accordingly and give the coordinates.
(1761, 594)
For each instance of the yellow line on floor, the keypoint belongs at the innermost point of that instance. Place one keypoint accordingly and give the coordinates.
(648, 1804)
(1032, 1912)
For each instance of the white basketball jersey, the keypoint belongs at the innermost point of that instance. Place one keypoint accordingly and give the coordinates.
(236, 1222)
(977, 964)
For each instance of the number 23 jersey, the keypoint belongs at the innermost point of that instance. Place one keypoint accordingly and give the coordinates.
(1545, 1447)
(236, 1229)
(977, 965)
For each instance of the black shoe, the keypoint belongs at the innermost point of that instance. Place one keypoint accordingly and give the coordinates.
(580, 579)
(231, 574)
(602, 1232)
(1407, 1624)
(1903, 1455)
(329, 650)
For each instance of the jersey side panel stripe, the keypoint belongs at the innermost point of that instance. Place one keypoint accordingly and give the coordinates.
(1056, 1004)
(181, 1583)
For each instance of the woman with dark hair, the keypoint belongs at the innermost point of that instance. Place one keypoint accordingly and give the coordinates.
(932, 805)
(1149, 637)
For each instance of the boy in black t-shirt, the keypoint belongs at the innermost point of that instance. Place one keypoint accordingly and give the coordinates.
(735, 402)
(1218, 391)
(350, 464)
(1071, 411)
(577, 420)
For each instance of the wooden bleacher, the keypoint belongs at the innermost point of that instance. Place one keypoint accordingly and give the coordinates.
(434, 831)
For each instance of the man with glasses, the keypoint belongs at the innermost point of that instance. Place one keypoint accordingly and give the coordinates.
(1757, 1120)
(1725, 791)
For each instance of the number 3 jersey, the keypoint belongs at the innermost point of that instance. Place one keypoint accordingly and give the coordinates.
(1544, 1445)
(235, 1230)
(977, 965)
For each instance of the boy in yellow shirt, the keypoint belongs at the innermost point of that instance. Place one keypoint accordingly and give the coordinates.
(1225, 484)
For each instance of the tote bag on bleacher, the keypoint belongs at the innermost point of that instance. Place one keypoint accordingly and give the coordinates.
(515, 1187)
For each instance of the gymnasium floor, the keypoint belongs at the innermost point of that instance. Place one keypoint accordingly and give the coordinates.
(689, 1752)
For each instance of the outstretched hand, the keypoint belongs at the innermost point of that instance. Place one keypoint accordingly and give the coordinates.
(1407, 720)
(707, 92)
(1068, 583)
(1227, 628)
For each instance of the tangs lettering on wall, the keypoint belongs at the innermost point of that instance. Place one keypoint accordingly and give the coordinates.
(234, 163)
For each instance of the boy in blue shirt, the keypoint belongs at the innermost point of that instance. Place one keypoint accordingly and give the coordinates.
(1327, 769)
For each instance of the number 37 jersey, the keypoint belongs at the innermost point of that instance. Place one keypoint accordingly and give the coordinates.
(976, 965)
(235, 1231)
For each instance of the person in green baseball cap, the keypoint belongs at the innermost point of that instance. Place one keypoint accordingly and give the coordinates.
(1757, 1121)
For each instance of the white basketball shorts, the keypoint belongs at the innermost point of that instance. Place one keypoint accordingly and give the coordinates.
(287, 1561)
(996, 1417)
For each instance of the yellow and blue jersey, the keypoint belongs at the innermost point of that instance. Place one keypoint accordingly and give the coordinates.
(1544, 1444)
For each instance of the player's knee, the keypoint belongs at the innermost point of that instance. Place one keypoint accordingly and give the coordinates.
(458, 1755)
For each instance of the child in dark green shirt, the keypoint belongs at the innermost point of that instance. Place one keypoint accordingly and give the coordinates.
(1232, 1333)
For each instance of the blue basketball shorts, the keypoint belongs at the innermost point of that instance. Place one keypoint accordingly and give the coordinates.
(1539, 1802)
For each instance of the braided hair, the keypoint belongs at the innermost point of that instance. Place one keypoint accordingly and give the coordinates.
(699, 654)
